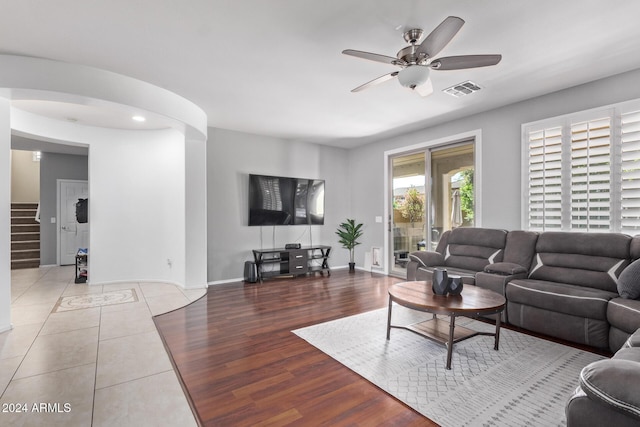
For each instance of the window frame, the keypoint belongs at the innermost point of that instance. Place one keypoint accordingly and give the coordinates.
(614, 113)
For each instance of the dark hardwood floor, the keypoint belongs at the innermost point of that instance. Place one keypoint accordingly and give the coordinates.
(240, 365)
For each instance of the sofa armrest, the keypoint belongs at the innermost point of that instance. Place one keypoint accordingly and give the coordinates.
(497, 282)
(615, 384)
(505, 269)
(427, 258)
(633, 340)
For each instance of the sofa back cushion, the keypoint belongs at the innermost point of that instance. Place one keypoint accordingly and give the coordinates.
(443, 242)
(474, 248)
(593, 260)
(520, 247)
(635, 248)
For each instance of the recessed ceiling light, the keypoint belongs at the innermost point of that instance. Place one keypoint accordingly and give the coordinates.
(138, 118)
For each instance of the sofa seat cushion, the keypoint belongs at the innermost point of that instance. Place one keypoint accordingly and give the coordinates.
(624, 314)
(615, 384)
(468, 276)
(560, 297)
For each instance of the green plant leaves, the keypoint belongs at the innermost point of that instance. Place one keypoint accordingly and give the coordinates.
(349, 233)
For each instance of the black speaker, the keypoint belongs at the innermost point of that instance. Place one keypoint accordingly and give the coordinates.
(250, 273)
(292, 246)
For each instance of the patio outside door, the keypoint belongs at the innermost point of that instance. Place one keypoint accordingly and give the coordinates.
(432, 191)
(408, 199)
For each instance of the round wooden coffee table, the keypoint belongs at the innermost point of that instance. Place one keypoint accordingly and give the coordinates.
(473, 302)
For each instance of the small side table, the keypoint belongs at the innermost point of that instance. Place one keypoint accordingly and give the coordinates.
(82, 270)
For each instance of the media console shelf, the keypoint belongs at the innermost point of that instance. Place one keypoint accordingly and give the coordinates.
(291, 262)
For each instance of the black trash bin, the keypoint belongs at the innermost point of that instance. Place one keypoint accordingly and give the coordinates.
(250, 273)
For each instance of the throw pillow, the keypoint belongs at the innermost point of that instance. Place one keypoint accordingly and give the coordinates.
(629, 281)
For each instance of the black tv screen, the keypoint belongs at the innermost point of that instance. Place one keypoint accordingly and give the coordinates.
(277, 200)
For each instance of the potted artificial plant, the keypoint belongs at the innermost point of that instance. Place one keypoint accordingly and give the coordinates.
(349, 233)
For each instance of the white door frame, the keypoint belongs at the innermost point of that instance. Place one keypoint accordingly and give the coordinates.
(59, 183)
(476, 135)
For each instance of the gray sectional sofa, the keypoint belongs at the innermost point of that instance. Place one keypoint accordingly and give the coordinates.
(580, 287)
(609, 390)
(562, 284)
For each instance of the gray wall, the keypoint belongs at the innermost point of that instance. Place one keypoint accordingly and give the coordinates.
(501, 151)
(231, 157)
(54, 167)
(355, 178)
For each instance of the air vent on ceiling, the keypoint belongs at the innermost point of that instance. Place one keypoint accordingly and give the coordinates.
(462, 89)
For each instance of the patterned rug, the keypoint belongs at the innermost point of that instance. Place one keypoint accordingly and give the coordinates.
(526, 383)
(79, 302)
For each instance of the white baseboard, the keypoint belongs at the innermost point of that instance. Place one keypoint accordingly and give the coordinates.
(339, 267)
(222, 282)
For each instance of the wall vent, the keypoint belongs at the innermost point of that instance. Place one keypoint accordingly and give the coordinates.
(462, 89)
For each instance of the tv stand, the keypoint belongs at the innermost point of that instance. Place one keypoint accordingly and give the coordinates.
(282, 262)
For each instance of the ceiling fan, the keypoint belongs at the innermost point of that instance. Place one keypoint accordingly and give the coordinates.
(417, 59)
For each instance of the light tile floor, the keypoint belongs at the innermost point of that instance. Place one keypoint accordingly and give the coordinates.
(100, 366)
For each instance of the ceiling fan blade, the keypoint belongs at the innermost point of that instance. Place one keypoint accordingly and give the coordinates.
(441, 36)
(425, 89)
(376, 81)
(465, 61)
(371, 56)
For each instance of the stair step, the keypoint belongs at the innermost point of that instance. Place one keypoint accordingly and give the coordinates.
(16, 220)
(33, 254)
(25, 228)
(21, 237)
(24, 245)
(23, 212)
(33, 206)
(25, 263)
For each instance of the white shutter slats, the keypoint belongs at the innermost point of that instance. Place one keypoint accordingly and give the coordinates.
(584, 171)
(545, 172)
(590, 175)
(630, 193)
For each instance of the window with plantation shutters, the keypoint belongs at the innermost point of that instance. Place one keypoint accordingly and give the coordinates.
(545, 167)
(581, 172)
(630, 173)
(591, 175)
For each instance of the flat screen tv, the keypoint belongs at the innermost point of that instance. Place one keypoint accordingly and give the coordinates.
(278, 200)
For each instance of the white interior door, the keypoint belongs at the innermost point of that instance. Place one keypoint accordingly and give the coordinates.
(72, 235)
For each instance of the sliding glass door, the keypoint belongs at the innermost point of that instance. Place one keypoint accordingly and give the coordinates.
(432, 191)
(408, 202)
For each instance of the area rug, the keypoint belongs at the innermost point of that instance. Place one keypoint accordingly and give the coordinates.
(526, 382)
(79, 302)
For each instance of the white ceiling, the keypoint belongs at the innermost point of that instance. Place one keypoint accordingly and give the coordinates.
(275, 67)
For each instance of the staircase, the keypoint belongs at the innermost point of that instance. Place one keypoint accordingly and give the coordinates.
(25, 236)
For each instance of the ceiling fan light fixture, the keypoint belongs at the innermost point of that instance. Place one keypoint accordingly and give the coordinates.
(413, 75)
